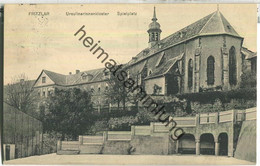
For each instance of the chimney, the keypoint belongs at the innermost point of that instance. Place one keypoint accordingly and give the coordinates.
(70, 73)
(77, 71)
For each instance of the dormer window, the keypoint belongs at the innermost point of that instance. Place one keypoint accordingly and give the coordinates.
(86, 76)
(228, 26)
(106, 87)
(92, 89)
(180, 34)
(43, 79)
(106, 74)
(149, 72)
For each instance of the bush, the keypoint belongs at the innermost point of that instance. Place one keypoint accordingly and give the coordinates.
(223, 96)
(144, 117)
(122, 123)
(218, 106)
(99, 126)
(106, 115)
(248, 80)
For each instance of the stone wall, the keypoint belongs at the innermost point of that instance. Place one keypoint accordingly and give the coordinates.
(116, 147)
(246, 145)
(156, 145)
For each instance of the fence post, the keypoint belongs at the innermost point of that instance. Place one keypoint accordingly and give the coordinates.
(197, 119)
(151, 128)
(233, 116)
(105, 135)
(216, 117)
(59, 145)
(244, 115)
(132, 131)
(80, 139)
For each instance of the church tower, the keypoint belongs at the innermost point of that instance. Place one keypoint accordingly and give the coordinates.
(154, 31)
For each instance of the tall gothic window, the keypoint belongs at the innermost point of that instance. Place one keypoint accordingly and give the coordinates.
(210, 70)
(232, 66)
(190, 73)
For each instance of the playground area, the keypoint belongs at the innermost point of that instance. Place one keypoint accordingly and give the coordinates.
(54, 159)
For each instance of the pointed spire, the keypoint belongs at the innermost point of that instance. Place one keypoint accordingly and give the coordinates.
(154, 15)
(217, 7)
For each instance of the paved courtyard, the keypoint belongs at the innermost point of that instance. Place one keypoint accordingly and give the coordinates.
(128, 159)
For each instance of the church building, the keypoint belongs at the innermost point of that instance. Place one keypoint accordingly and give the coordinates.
(203, 56)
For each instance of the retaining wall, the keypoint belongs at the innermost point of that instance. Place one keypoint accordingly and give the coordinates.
(246, 145)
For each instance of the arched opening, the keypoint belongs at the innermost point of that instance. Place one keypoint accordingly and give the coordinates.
(232, 66)
(223, 144)
(187, 144)
(207, 144)
(210, 70)
(173, 80)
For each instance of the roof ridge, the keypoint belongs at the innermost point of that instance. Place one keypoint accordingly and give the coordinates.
(231, 27)
(213, 14)
(189, 25)
(53, 72)
(222, 22)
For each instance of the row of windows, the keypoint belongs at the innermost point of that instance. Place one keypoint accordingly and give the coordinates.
(44, 94)
(99, 89)
(211, 69)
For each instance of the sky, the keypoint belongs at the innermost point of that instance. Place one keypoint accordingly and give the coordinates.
(36, 42)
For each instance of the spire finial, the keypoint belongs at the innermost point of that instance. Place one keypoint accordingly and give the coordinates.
(154, 15)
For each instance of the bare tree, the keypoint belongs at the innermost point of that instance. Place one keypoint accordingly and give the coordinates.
(19, 93)
(116, 93)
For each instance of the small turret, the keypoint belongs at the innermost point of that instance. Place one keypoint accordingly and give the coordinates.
(154, 31)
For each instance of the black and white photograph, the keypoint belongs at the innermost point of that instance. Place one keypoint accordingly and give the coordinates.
(129, 84)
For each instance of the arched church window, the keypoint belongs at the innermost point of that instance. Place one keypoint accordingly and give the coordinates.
(232, 66)
(210, 70)
(190, 73)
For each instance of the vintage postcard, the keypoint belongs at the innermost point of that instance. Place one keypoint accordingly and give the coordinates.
(164, 84)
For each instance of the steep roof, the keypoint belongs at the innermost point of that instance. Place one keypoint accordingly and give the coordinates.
(59, 79)
(212, 24)
(97, 75)
(74, 79)
(164, 69)
(248, 54)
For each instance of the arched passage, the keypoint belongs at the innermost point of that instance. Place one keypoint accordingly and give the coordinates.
(187, 144)
(223, 144)
(207, 144)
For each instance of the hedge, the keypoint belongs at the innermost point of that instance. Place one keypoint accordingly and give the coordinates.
(224, 96)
